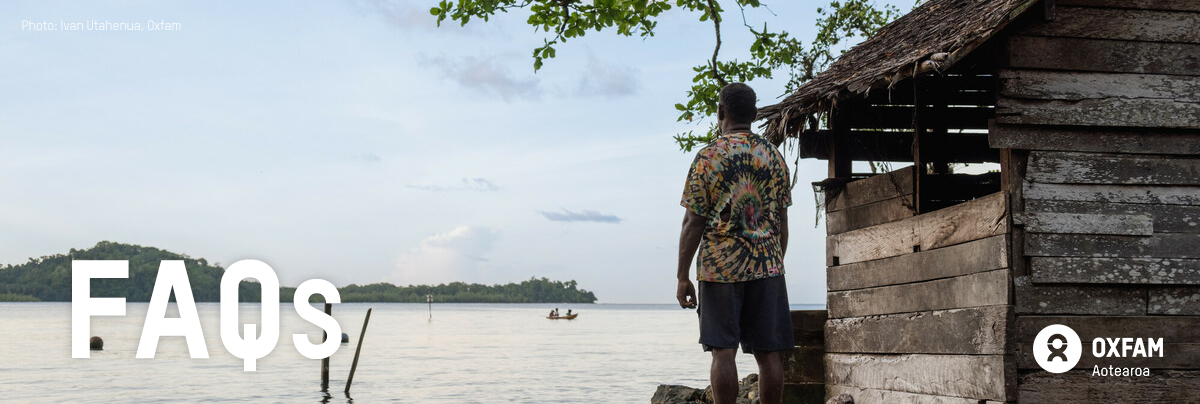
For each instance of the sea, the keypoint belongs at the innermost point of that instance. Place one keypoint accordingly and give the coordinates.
(411, 353)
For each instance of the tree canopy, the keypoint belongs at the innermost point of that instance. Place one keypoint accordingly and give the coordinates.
(48, 278)
(773, 51)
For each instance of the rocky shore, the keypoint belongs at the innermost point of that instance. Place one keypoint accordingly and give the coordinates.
(747, 394)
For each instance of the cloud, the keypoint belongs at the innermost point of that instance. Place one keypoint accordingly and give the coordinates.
(468, 184)
(608, 80)
(456, 255)
(584, 216)
(484, 75)
(368, 158)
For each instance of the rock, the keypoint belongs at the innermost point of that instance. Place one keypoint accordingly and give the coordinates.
(97, 344)
(667, 394)
(841, 399)
(672, 394)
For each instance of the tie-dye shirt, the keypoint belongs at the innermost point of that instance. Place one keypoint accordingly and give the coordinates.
(737, 183)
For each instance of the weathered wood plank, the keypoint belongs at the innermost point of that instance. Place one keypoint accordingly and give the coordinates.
(981, 289)
(804, 364)
(1086, 223)
(885, 211)
(1175, 301)
(1163, 271)
(808, 327)
(1172, 329)
(1080, 387)
(878, 396)
(1108, 112)
(874, 189)
(1130, 25)
(1077, 299)
(1093, 168)
(1167, 195)
(962, 259)
(983, 217)
(971, 331)
(1077, 86)
(1099, 55)
(1166, 245)
(1173, 5)
(1166, 218)
(969, 376)
(1175, 356)
(1133, 141)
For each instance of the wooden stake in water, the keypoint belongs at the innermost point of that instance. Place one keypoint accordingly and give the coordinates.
(325, 362)
(429, 298)
(357, 350)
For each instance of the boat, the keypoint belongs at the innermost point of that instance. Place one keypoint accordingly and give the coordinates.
(566, 317)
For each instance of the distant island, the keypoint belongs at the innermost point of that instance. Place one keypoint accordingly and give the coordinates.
(48, 279)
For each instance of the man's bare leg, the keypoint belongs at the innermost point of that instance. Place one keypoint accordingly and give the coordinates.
(770, 377)
(723, 376)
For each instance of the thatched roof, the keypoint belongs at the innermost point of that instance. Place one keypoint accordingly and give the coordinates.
(949, 29)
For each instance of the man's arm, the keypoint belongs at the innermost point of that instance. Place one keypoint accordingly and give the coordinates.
(689, 241)
(783, 230)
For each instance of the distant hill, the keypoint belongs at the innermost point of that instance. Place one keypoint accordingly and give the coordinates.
(49, 279)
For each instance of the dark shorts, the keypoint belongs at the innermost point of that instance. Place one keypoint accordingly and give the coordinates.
(754, 313)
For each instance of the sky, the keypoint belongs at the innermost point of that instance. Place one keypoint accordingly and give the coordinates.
(357, 142)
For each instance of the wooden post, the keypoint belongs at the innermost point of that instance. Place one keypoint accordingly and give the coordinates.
(839, 142)
(357, 350)
(325, 362)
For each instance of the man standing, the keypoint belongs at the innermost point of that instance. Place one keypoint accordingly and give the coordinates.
(737, 194)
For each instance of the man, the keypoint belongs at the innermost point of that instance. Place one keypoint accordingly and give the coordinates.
(737, 194)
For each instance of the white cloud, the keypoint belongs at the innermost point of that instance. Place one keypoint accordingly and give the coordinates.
(608, 80)
(456, 255)
(485, 75)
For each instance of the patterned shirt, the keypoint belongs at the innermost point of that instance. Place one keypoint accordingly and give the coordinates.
(737, 183)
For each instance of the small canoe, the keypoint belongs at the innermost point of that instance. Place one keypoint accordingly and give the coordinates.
(566, 317)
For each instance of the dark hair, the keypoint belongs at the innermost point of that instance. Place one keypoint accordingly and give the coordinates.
(738, 100)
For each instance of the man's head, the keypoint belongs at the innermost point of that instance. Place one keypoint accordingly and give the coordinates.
(736, 104)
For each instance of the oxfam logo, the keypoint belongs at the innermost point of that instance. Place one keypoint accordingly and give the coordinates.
(1057, 348)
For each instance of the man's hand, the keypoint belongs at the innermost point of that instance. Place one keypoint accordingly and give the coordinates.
(686, 293)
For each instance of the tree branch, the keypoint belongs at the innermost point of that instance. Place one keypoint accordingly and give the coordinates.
(716, 19)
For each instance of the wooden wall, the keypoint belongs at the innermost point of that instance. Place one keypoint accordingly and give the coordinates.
(919, 306)
(1101, 110)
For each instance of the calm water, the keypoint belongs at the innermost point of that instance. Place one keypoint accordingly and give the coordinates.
(468, 353)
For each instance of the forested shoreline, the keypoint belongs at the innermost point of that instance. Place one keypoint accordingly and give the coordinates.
(49, 279)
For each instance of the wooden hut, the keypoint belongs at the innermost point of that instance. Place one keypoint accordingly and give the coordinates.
(939, 281)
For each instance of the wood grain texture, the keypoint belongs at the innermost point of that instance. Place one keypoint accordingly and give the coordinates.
(1076, 86)
(1094, 168)
(879, 396)
(1166, 218)
(1034, 298)
(1172, 329)
(1166, 245)
(1080, 387)
(1107, 112)
(1165, 195)
(1086, 223)
(971, 331)
(1146, 271)
(1175, 301)
(981, 377)
(1173, 5)
(1121, 24)
(885, 211)
(977, 219)
(874, 189)
(981, 289)
(1130, 141)
(1098, 55)
(808, 327)
(961, 259)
